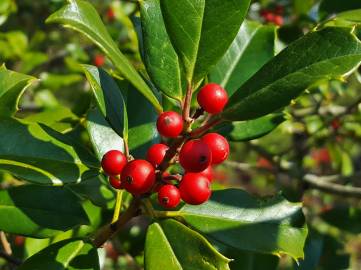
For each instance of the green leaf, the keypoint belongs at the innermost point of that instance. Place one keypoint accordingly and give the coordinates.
(142, 123)
(82, 17)
(35, 211)
(327, 54)
(201, 31)
(97, 190)
(12, 85)
(109, 99)
(236, 219)
(102, 136)
(39, 154)
(253, 46)
(74, 254)
(160, 57)
(251, 129)
(171, 245)
(60, 118)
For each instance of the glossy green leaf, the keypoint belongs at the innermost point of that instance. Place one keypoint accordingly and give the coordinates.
(97, 190)
(331, 53)
(12, 85)
(201, 31)
(39, 154)
(160, 57)
(236, 219)
(109, 98)
(253, 46)
(60, 118)
(171, 245)
(142, 123)
(70, 254)
(35, 211)
(251, 129)
(102, 136)
(81, 16)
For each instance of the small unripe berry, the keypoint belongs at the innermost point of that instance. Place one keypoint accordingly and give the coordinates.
(219, 147)
(212, 98)
(156, 153)
(169, 196)
(115, 182)
(113, 162)
(194, 188)
(195, 156)
(208, 173)
(99, 60)
(170, 124)
(138, 176)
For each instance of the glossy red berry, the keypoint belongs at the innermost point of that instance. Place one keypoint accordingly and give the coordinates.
(219, 147)
(208, 173)
(269, 17)
(278, 20)
(156, 153)
(212, 98)
(110, 14)
(115, 182)
(99, 60)
(170, 124)
(194, 188)
(138, 176)
(169, 196)
(195, 156)
(113, 162)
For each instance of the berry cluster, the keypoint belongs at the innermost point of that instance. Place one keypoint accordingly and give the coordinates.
(195, 152)
(274, 15)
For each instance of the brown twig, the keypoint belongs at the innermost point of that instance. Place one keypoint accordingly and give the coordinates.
(5, 243)
(10, 259)
(187, 107)
(109, 230)
(201, 130)
(316, 182)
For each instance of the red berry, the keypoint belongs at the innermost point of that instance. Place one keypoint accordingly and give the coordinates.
(99, 60)
(208, 173)
(278, 20)
(269, 17)
(219, 147)
(212, 98)
(194, 188)
(113, 162)
(195, 156)
(169, 196)
(138, 176)
(170, 124)
(336, 124)
(156, 153)
(110, 14)
(19, 240)
(111, 251)
(264, 163)
(115, 182)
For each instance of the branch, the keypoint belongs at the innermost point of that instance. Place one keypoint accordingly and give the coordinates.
(109, 230)
(5, 243)
(10, 259)
(319, 183)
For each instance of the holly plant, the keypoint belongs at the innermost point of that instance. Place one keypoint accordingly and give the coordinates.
(207, 76)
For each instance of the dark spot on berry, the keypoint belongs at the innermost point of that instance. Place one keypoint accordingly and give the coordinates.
(167, 121)
(165, 200)
(129, 179)
(203, 159)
